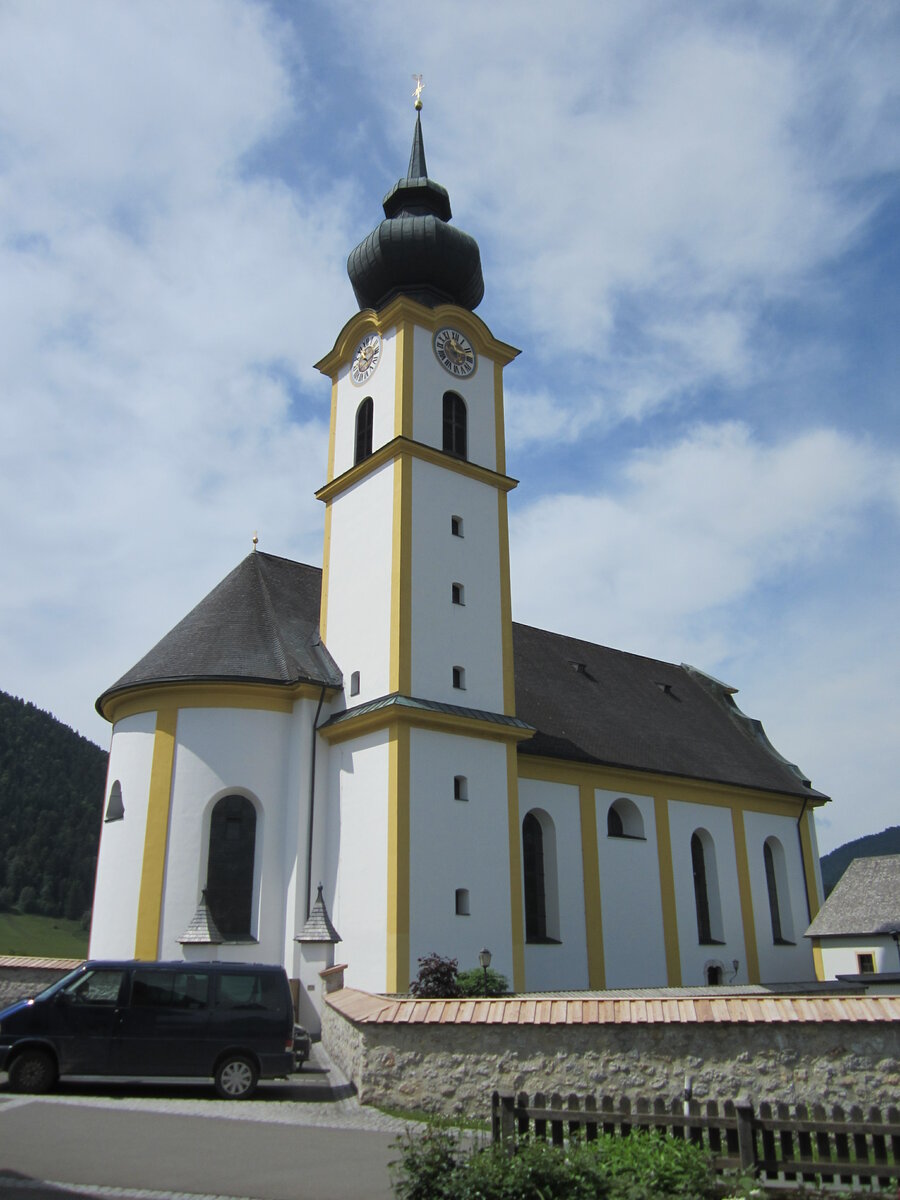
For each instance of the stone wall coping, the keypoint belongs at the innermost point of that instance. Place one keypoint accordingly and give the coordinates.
(367, 1009)
(39, 964)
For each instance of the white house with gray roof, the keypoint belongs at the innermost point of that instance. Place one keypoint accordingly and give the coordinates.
(856, 932)
(381, 726)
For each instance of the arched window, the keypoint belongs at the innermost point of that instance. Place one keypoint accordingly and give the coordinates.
(115, 809)
(706, 889)
(229, 873)
(363, 430)
(778, 891)
(624, 820)
(455, 437)
(539, 869)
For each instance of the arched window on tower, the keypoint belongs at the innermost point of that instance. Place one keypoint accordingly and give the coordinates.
(364, 417)
(229, 873)
(115, 809)
(455, 435)
(539, 870)
(706, 889)
(779, 892)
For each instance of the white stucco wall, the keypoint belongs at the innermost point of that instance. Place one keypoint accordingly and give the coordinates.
(459, 844)
(219, 752)
(684, 819)
(431, 381)
(563, 966)
(380, 386)
(359, 583)
(118, 882)
(839, 954)
(779, 964)
(358, 847)
(630, 898)
(444, 634)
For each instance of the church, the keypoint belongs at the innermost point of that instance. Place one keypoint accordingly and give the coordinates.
(373, 752)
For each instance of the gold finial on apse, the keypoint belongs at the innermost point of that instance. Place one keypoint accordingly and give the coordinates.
(255, 538)
(417, 94)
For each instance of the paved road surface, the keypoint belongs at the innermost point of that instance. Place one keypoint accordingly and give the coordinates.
(304, 1140)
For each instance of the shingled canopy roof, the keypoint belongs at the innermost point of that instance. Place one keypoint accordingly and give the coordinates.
(588, 703)
(865, 900)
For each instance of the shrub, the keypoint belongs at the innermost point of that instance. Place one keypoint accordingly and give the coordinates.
(436, 978)
(471, 983)
(644, 1166)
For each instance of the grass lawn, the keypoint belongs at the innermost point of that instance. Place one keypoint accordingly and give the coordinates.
(42, 937)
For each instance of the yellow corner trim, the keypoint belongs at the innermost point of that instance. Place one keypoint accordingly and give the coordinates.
(517, 916)
(818, 961)
(385, 718)
(403, 381)
(401, 579)
(326, 575)
(809, 869)
(667, 892)
(398, 860)
(499, 427)
(590, 865)
(332, 430)
(506, 634)
(746, 895)
(266, 697)
(402, 447)
(404, 309)
(146, 943)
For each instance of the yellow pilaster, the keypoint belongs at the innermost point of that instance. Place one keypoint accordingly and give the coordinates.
(809, 869)
(332, 430)
(506, 635)
(146, 944)
(746, 895)
(590, 861)
(818, 961)
(326, 572)
(499, 429)
(403, 381)
(517, 914)
(401, 579)
(667, 892)
(398, 967)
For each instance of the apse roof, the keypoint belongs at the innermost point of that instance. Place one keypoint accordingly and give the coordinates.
(587, 703)
(865, 900)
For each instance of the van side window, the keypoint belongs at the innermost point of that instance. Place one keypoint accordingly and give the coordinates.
(169, 989)
(250, 991)
(95, 987)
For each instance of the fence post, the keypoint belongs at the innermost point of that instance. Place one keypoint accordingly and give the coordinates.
(746, 1140)
(507, 1123)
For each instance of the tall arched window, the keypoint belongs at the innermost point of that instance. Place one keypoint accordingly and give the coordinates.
(455, 436)
(706, 889)
(539, 869)
(779, 893)
(364, 416)
(229, 872)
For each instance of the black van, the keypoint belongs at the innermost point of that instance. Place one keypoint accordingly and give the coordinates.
(233, 1022)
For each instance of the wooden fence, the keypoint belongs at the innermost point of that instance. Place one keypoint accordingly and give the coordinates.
(784, 1148)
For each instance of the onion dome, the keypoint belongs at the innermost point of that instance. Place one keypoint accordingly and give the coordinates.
(414, 252)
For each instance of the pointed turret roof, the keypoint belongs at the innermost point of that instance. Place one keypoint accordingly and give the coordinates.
(202, 931)
(414, 252)
(260, 625)
(318, 927)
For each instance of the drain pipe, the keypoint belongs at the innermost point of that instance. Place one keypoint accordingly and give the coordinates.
(312, 800)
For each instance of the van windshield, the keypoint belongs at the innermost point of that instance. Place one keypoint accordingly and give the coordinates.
(60, 983)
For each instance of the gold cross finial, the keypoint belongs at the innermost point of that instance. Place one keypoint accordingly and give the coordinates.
(418, 92)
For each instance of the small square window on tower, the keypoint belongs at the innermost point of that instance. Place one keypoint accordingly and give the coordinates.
(462, 902)
(456, 526)
(457, 593)
(459, 678)
(354, 684)
(460, 787)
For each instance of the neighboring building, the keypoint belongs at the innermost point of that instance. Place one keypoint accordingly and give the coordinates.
(856, 932)
(453, 780)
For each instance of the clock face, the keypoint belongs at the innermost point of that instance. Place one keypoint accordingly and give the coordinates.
(454, 352)
(366, 357)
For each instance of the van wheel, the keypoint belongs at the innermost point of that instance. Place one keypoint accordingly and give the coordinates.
(236, 1077)
(32, 1071)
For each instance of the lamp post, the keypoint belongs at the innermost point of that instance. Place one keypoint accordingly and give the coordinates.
(484, 958)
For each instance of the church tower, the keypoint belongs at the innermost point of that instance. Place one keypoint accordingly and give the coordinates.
(416, 603)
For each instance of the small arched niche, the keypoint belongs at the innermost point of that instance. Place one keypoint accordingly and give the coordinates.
(624, 820)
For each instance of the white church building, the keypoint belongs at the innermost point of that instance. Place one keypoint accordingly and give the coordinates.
(382, 727)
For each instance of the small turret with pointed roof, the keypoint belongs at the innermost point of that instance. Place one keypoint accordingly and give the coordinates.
(415, 252)
(318, 927)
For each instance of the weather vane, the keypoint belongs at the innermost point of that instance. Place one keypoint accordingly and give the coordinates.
(418, 92)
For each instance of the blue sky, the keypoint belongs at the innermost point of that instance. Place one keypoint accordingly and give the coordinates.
(688, 219)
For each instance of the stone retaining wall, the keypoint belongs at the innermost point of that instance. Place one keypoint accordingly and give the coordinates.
(20, 977)
(452, 1069)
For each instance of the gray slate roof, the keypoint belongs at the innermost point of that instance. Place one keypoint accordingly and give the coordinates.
(587, 703)
(260, 624)
(865, 900)
(318, 927)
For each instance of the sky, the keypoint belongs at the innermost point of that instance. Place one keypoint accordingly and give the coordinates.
(688, 220)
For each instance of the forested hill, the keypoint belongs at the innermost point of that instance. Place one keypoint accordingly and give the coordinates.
(52, 782)
(870, 846)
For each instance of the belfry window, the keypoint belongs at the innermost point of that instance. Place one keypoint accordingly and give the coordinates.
(229, 874)
(455, 435)
(115, 809)
(364, 417)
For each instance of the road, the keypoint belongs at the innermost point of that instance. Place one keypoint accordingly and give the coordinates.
(307, 1139)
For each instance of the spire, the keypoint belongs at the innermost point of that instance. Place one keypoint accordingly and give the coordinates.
(417, 168)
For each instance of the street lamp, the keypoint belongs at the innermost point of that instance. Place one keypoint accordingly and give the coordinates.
(484, 958)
